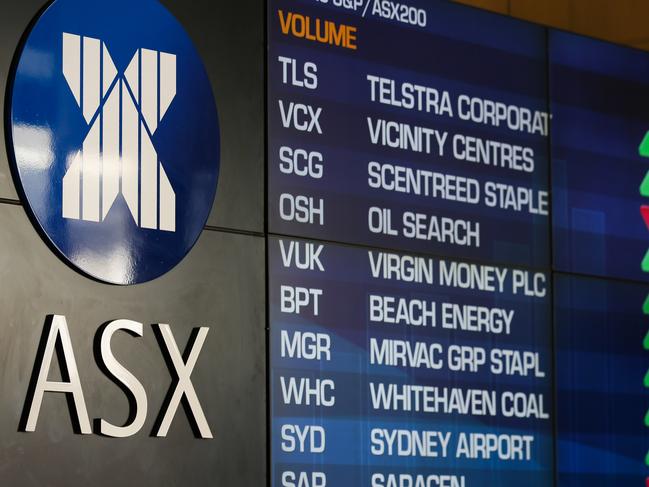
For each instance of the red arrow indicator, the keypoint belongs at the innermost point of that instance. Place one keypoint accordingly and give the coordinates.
(644, 210)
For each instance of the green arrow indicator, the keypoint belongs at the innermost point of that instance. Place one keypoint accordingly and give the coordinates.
(644, 147)
(646, 342)
(646, 380)
(644, 187)
(646, 460)
(645, 262)
(645, 306)
(646, 420)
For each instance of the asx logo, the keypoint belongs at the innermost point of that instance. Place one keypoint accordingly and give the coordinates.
(115, 137)
(123, 112)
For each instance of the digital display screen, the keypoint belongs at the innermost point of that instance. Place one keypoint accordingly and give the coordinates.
(441, 183)
(427, 137)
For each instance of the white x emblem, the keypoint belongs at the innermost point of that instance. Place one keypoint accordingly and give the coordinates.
(123, 112)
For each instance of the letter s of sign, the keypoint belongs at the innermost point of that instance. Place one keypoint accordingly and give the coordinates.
(131, 384)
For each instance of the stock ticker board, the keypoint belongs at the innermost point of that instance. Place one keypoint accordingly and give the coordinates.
(421, 331)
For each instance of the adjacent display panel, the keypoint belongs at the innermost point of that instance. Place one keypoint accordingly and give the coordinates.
(417, 131)
(390, 369)
(600, 187)
(600, 150)
(602, 359)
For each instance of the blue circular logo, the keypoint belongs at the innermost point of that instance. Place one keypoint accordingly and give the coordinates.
(115, 137)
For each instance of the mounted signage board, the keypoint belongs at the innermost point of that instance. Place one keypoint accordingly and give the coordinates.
(114, 136)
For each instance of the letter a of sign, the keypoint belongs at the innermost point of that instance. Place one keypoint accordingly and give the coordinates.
(58, 330)
(122, 112)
